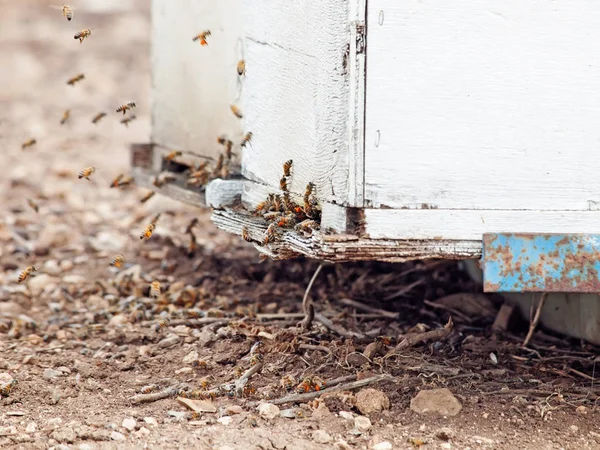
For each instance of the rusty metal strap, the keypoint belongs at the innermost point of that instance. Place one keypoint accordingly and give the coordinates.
(518, 262)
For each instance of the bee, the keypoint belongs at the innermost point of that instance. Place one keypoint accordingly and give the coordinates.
(66, 11)
(252, 421)
(220, 165)
(193, 245)
(202, 37)
(287, 167)
(288, 382)
(288, 204)
(147, 233)
(81, 35)
(246, 234)
(247, 138)
(162, 324)
(149, 388)
(28, 143)
(416, 442)
(191, 225)
(236, 112)
(6, 388)
(277, 203)
(228, 147)
(126, 120)
(248, 390)
(26, 273)
(256, 358)
(307, 225)
(305, 385)
(238, 371)
(285, 221)
(126, 182)
(147, 197)
(309, 190)
(71, 81)
(65, 116)
(155, 289)
(262, 206)
(155, 219)
(117, 261)
(318, 384)
(283, 184)
(311, 209)
(115, 183)
(98, 116)
(270, 235)
(124, 107)
(86, 173)
(241, 67)
(174, 154)
(162, 178)
(33, 205)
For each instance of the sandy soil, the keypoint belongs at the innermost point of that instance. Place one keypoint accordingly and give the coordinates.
(81, 338)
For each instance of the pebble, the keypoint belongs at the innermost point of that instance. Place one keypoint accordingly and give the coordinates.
(84, 447)
(5, 377)
(106, 241)
(346, 415)
(55, 422)
(143, 431)
(574, 428)
(66, 265)
(268, 411)
(55, 235)
(357, 359)
(362, 423)
(151, 421)
(436, 401)
(289, 413)
(321, 437)
(129, 423)
(191, 357)
(170, 341)
(581, 410)
(74, 279)
(369, 401)
(116, 436)
(66, 434)
(321, 412)
(51, 267)
(444, 434)
(234, 409)
(385, 445)
(31, 427)
(8, 430)
(41, 282)
(225, 420)
(177, 414)
(205, 337)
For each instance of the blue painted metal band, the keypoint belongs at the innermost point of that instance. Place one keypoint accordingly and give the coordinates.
(518, 262)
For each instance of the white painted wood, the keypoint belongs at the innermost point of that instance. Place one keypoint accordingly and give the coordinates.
(223, 193)
(194, 86)
(483, 104)
(472, 224)
(296, 93)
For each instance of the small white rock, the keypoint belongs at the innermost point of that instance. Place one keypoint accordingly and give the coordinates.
(50, 374)
(74, 279)
(116, 436)
(55, 422)
(346, 415)
(84, 447)
(151, 421)
(321, 437)
(143, 431)
(31, 427)
(268, 411)
(385, 445)
(191, 357)
(225, 420)
(129, 423)
(362, 423)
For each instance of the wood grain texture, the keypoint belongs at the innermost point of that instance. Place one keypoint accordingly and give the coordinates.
(296, 93)
(471, 224)
(224, 193)
(175, 190)
(194, 85)
(483, 104)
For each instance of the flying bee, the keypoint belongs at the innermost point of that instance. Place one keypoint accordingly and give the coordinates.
(241, 67)
(283, 184)
(126, 106)
(193, 245)
(162, 324)
(129, 119)
(26, 273)
(287, 167)
(236, 112)
(271, 234)
(147, 233)
(86, 173)
(33, 205)
(98, 116)
(6, 388)
(191, 225)
(67, 11)
(155, 219)
(117, 261)
(174, 154)
(219, 166)
(73, 80)
(162, 178)
(65, 116)
(247, 138)
(28, 143)
(228, 146)
(288, 382)
(202, 37)
(147, 197)
(115, 183)
(126, 182)
(81, 35)
(155, 289)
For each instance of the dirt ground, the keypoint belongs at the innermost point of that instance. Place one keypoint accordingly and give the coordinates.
(82, 338)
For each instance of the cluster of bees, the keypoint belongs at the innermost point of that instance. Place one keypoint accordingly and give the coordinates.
(283, 212)
(307, 384)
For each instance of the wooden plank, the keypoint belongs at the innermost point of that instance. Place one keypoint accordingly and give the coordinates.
(483, 104)
(296, 93)
(471, 225)
(194, 85)
(224, 193)
(175, 190)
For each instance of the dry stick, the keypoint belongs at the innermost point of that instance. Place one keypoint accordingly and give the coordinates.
(370, 309)
(243, 380)
(339, 329)
(536, 318)
(405, 290)
(307, 307)
(155, 396)
(299, 398)
(452, 311)
(410, 340)
(319, 348)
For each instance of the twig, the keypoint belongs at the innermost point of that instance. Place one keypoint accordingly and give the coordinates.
(243, 380)
(370, 309)
(452, 311)
(405, 290)
(155, 396)
(536, 318)
(49, 349)
(307, 307)
(410, 340)
(281, 316)
(339, 329)
(300, 398)
(319, 348)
